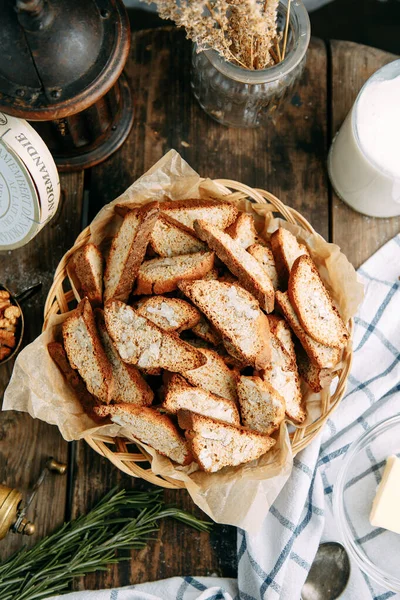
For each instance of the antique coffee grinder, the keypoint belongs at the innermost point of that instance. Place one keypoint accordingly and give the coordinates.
(61, 70)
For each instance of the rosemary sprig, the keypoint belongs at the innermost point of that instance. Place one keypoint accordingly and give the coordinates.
(121, 521)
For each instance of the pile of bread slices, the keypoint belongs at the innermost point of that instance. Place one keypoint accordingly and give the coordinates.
(187, 338)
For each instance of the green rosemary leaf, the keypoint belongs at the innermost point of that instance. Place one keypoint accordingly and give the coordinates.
(121, 521)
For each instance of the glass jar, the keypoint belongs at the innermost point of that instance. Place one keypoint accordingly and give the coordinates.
(240, 97)
(370, 182)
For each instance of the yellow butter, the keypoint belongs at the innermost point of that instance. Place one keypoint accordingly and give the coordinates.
(385, 508)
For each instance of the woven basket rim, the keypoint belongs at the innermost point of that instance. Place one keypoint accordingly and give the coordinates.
(129, 462)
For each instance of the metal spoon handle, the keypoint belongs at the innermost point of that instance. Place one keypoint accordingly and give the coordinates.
(29, 292)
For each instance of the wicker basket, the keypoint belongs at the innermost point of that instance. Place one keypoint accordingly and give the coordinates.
(128, 456)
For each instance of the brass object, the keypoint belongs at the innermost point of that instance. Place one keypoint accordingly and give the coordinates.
(12, 514)
(9, 502)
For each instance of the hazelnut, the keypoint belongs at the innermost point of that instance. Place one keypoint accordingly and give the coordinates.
(4, 303)
(7, 338)
(12, 313)
(4, 352)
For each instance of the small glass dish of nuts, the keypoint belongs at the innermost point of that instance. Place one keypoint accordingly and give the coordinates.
(12, 321)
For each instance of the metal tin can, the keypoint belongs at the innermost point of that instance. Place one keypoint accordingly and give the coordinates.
(29, 183)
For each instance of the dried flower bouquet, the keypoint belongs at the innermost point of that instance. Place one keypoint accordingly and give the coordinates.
(243, 32)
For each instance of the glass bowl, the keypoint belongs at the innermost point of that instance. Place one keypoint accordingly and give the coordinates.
(376, 551)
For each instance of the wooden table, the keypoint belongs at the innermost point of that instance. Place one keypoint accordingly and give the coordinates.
(288, 157)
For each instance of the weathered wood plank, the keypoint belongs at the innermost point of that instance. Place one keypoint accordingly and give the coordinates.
(358, 236)
(287, 157)
(26, 443)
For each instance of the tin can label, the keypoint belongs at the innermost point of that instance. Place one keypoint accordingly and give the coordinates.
(19, 204)
(23, 151)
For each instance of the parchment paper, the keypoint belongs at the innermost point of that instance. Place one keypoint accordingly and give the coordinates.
(238, 496)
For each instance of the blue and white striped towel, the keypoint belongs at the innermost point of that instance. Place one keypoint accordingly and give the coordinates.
(274, 563)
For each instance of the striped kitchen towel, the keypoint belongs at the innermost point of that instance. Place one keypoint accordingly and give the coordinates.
(273, 564)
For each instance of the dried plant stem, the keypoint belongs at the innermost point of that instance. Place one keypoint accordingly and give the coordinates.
(278, 51)
(231, 54)
(274, 56)
(285, 35)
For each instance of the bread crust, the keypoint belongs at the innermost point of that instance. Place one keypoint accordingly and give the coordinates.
(82, 268)
(316, 378)
(139, 238)
(171, 314)
(284, 247)
(142, 420)
(75, 381)
(148, 282)
(248, 270)
(237, 329)
(181, 395)
(215, 376)
(171, 238)
(141, 342)
(205, 331)
(78, 330)
(243, 230)
(222, 214)
(228, 445)
(320, 355)
(263, 254)
(283, 376)
(313, 305)
(138, 392)
(280, 328)
(261, 406)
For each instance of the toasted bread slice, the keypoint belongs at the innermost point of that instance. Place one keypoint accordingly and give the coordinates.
(237, 316)
(86, 399)
(313, 305)
(141, 342)
(263, 254)
(86, 353)
(286, 249)
(313, 376)
(213, 274)
(87, 266)
(152, 428)
(279, 356)
(250, 273)
(214, 376)
(161, 275)
(220, 214)
(216, 445)
(322, 356)
(280, 328)
(180, 395)
(171, 238)
(228, 277)
(170, 314)
(282, 375)
(262, 408)
(127, 251)
(243, 230)
(231, 361)
(129, 385)
(205, 331)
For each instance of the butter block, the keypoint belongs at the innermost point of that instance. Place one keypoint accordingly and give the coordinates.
(385, 511)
